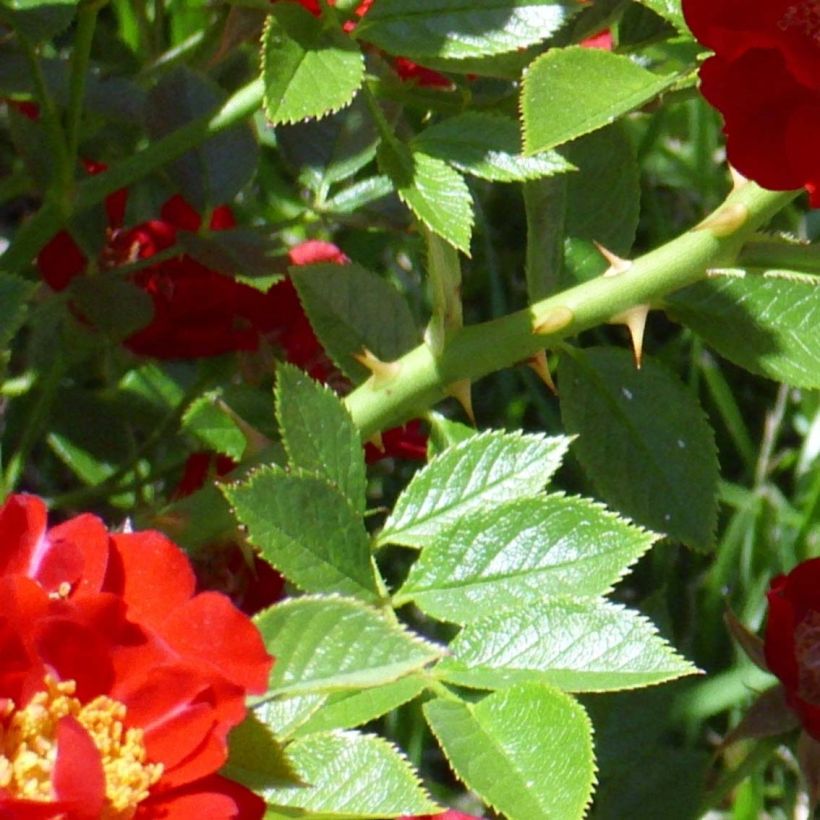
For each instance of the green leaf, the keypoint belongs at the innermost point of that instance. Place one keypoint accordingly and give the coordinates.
(208, 419)
(14, 295)
(577, 645)
(256, 759)
(346, 710)
(113, 305)
(668, 9)
(483, 470)
(603, 201)
(487, 146)
(461, 28)
(351, 308)
(319, 435)
(768, 323)
(326, 644)
(518, 553)
(568, 92)
(644, 441)
(445, 433)
(325, 551)
(283, 716)
(332, 149)
(354, 776)
(527, 750)
(436, 193)
(249, 256)
(215, 171)
(39, 20)
(309, 70)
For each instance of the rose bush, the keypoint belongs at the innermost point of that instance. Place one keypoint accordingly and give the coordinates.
(118, 684)
(764, 78)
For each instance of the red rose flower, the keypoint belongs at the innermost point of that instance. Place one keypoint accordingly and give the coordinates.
(118, 684)
(450, 814)
(764, 78)
(792, 640)
(408, 442)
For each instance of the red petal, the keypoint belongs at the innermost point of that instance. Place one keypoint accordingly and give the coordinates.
(78, 777)
(85, 536)
(60, 261)
(214, 798)
(315, 251)
(180, 214)
(209, 628)
(151, 573)
(23, 527)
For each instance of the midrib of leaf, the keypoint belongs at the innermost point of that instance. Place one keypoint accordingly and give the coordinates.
(501, 754)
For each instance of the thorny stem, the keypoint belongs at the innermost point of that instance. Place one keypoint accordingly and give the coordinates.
(422, 378)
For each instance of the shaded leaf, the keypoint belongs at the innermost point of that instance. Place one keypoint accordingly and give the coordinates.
(326, 551)
(644, 441)
(768, 323)
(351, 308)
(319, 435)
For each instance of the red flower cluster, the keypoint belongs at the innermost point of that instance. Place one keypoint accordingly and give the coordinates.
(792, 640)
(118, 685)
(765, 79)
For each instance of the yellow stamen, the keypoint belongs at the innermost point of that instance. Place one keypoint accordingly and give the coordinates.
(28, 748)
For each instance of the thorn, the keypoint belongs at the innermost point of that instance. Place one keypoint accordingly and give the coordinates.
(462, 393)
(553, 321)
(725, 221)
(539, 364)
(635, 320)
(738, 180)
(377, 441)
(381, 371)
(616, 264)
(255, 442)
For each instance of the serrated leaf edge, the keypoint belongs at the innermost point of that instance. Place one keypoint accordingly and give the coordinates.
(562, 442)
(587, 722)
(662, 643)
(310, 118)
(434, 650)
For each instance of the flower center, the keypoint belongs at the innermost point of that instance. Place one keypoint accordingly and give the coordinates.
(28, 748)
(805, 17)
(807, 652)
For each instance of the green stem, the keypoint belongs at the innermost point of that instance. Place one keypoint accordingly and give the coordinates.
(49, 219)
(444, 278)
(34, 425)
(422, 378)
(759, 755)
(80, 59)
(63, 171)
